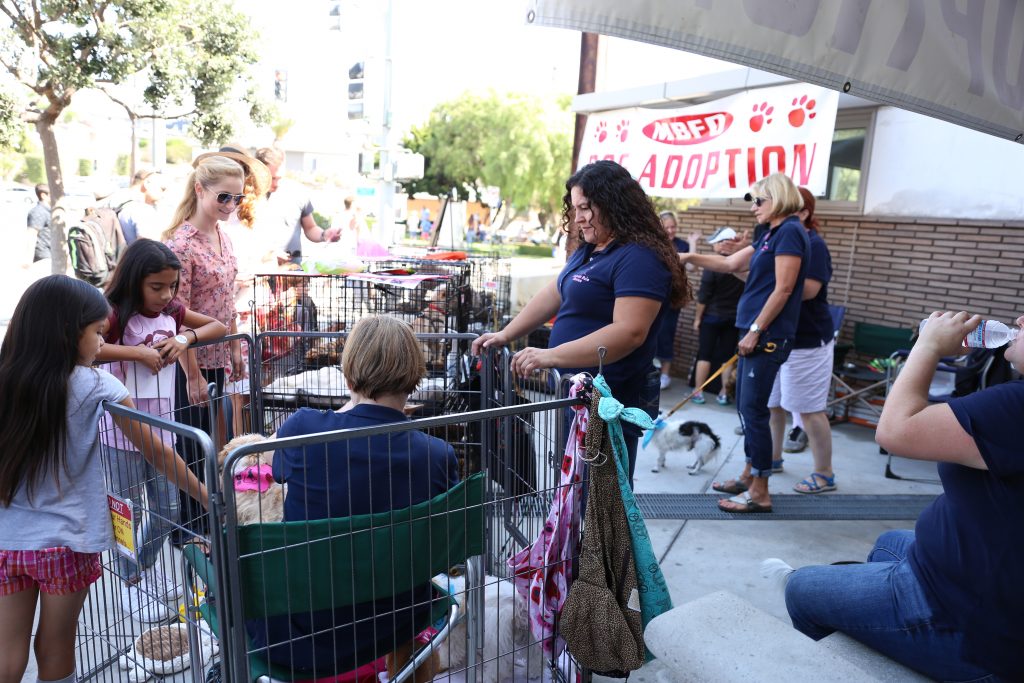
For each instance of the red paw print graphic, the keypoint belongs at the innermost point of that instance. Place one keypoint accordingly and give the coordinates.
(622, 130)
(762, 116)
(602, 131)
(803, 111)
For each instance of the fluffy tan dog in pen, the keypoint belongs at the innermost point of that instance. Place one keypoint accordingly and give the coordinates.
(258, 498)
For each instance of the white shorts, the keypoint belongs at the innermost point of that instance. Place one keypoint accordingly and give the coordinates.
(803, 380)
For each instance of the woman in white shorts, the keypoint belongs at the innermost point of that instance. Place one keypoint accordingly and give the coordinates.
(801, 387)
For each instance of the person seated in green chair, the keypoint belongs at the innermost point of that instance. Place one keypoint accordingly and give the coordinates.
(383, 363)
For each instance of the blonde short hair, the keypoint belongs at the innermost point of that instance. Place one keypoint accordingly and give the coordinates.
(785, 196)
(382, 357)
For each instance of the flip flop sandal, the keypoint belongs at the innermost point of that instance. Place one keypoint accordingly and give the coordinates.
(812, 486)
(732, 486)
(749, 506)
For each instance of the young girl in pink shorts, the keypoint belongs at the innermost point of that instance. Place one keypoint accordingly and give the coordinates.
(54, 519)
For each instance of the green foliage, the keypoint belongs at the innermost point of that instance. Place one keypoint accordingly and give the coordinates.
(515, 142)
(84, 167)
(178, 151)
(34, 172)
(321, 220)
(122, 165)
(11, 129)
(194, 55)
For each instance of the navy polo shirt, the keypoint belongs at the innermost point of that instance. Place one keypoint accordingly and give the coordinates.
(589, 285)
(789, 238)
(341, 479)
(969, 547)
(815, 327)
(360, 476)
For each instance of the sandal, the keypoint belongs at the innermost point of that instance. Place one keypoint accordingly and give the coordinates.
(748, 505)
(732, 486)
(777, 467)
(811, 485)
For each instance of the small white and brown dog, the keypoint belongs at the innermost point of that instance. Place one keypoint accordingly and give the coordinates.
(508, 650)
(695, 437)
(258, 498)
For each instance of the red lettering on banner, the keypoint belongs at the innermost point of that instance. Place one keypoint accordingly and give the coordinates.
(692, 171)
(687, 172)
(688, 129)
(800, 162)
(673, 164)
(620, 160)
(732, 153)
(650, 170)
(710, 168)
(766, 160)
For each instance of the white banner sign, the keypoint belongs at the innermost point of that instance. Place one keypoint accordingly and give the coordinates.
(720, 148)
(956, 60)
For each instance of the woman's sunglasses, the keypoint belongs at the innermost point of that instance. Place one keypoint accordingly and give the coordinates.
(227, 197)
(758, 201)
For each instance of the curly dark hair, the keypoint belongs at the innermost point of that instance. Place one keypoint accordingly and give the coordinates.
(627, 211)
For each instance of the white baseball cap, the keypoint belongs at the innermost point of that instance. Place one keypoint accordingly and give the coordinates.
(722, 234)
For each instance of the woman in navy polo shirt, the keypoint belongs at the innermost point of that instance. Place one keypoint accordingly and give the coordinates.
(613, 290)
(944, 599)
(766, 317)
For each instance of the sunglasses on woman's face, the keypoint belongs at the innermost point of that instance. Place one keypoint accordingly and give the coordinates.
(227, 198)
(758, 201)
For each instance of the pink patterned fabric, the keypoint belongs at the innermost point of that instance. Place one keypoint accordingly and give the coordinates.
(255, 478)
(207, 284)
(542, 571)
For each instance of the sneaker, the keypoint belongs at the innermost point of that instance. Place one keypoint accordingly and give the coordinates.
(165, 587)
(795, 441)
(139, 604)
(698, 398)
(665, 381)
(777, 571)
(723, 400)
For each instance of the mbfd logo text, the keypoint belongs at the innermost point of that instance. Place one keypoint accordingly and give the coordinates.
(689, 129)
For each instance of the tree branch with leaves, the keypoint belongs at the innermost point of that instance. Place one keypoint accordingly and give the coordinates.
(193, 55)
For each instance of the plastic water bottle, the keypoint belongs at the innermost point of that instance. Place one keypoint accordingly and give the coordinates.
(990, 334)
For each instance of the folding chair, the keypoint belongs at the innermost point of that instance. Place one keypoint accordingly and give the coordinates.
(297, 568)
(869, 339)
(970, 370)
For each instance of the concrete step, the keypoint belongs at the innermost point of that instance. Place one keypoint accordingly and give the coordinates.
(723, 638)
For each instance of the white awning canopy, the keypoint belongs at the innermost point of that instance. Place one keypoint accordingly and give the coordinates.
(959, 62)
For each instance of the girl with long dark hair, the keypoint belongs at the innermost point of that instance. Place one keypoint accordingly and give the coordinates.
(148, 331)
(613, 291)
(54, 520)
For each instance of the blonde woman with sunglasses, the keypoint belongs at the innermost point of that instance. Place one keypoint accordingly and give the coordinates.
(766, 318)
(206, 285)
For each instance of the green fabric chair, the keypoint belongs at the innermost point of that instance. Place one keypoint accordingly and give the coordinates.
(876, 341)
(367, 558)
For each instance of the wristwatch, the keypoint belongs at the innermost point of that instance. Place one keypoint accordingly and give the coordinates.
(181, 339)
(755, 328)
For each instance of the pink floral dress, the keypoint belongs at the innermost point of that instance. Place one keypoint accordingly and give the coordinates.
(207, 284)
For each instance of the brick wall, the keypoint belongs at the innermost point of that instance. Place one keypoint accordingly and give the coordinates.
(893, 270)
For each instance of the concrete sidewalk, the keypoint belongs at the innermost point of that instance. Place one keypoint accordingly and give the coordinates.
(700, 557)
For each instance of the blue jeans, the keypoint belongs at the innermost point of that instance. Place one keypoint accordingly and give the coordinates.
(130, 477)
(754, 379)
(881, 604)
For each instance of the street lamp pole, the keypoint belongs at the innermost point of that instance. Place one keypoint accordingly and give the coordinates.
(386, 215)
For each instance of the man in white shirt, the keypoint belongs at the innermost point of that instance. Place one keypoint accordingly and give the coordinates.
(287, 213)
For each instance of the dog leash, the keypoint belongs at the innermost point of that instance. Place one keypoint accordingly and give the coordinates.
(661, 421)
(699, 389)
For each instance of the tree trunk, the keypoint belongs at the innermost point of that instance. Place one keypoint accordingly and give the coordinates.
(54, 177)
(132, 167)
